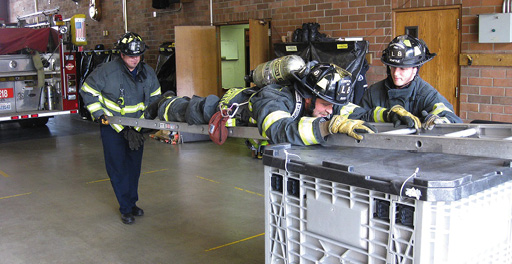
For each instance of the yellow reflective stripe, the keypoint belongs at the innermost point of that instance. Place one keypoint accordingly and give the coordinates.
(378, 114)
(347, 109)
(440, 107)
(111, 105)
(272, 118)
(306, 130)
(231, 122)
(94, 107)
(117, 127)
(167, 108)
(89, 89)
(157, 92)
(134, 108)
(230, 94)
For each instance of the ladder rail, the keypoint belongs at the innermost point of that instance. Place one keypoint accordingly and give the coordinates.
(481, 140)
(238, 132)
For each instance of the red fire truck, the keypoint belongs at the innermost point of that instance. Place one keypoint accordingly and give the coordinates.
(38, 71)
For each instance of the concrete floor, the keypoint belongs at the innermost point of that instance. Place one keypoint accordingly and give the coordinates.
(203, 202)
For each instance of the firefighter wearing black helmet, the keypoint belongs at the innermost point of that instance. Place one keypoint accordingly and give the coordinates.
(404, 97)
(122, 87)
(303, 113)
(310, 109)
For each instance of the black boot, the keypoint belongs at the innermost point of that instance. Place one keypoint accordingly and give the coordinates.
(127, 219)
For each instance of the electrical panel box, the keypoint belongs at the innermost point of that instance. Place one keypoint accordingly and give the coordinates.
(495, 28)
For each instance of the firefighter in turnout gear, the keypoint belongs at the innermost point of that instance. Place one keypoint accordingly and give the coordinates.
(303, 113)
(122, 87)
(310, 109)
(404, 97)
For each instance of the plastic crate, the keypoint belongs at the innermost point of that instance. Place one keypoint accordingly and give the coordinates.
(320, 212)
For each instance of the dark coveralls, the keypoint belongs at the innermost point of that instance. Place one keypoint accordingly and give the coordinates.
(112, 90)
(278, 112)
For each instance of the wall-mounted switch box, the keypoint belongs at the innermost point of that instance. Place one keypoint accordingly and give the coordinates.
(495, 28)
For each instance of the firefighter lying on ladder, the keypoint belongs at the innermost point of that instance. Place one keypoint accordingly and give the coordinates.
(302, 114)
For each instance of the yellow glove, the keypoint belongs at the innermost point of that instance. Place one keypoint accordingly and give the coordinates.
(341, 124)
(103, 120)
(398, 115)
(430, 120)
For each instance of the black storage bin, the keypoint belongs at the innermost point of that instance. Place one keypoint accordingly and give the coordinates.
(302, 49)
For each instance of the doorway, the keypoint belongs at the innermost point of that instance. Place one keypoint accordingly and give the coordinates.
(198, 56)
(439, 28)
(234, 55)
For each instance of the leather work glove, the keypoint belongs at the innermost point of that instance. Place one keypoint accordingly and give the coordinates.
(430, 120)
(103, 120)
(135, 138)
(398, 115)
(351, 127)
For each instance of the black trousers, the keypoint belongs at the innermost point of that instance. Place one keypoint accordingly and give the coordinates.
(123, 167)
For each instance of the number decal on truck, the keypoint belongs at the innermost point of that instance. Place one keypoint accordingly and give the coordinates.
(6, 93)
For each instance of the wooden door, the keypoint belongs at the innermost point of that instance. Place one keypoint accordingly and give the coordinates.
(258, 42)
(440, 30)
(197, 61)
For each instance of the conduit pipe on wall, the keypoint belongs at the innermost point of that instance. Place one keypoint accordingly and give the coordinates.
(125, 17)
(211, 12)
(35, 10)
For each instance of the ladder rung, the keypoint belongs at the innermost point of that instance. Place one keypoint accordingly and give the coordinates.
(463, 133)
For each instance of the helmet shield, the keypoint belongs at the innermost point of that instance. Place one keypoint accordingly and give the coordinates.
(406, 51)
(325, 80)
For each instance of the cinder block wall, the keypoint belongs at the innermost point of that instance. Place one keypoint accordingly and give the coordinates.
(486, 92)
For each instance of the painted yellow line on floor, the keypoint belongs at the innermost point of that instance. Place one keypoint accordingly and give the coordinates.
(232, 243)
(4, 174)
(16, 195)
(147, 172)
(203, 178)
(98, 181)
(251, 192)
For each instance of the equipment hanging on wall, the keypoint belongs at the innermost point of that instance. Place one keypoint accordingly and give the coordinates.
(78, 36)
(95, 10)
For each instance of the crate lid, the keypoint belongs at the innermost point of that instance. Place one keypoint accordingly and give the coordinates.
(440, 177)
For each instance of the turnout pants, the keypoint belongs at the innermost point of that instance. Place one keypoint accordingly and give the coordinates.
(123, 167)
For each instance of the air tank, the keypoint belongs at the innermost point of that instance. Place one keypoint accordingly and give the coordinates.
(277, 71)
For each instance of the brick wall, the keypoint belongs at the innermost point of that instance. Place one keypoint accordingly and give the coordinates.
(485, 91)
